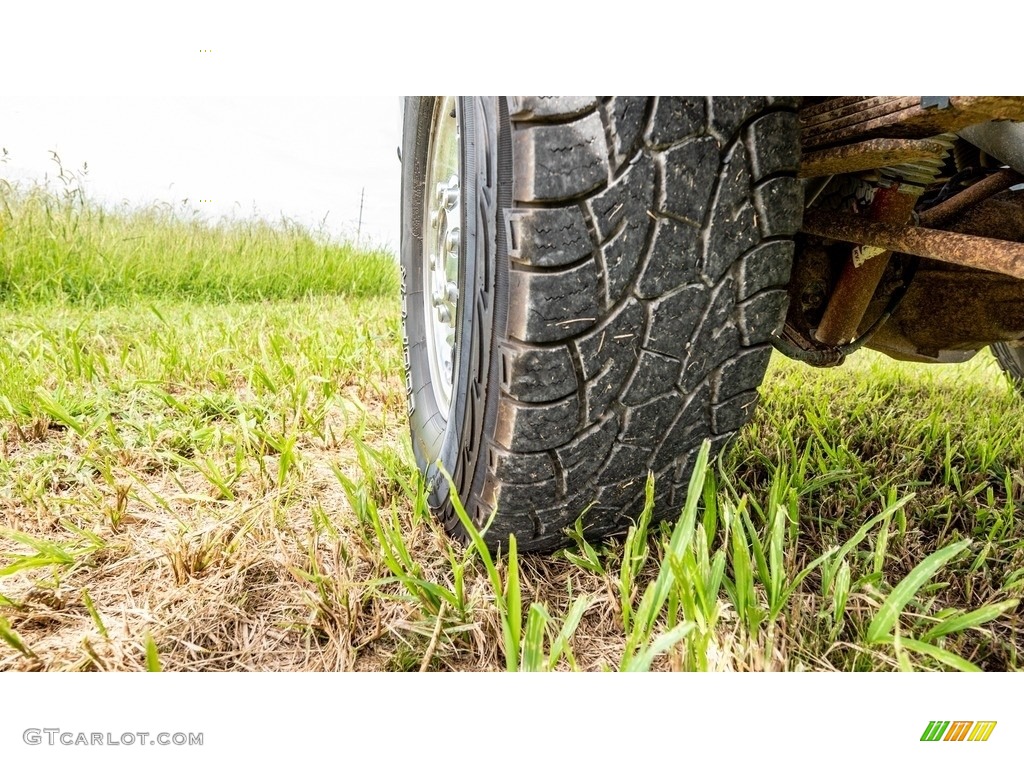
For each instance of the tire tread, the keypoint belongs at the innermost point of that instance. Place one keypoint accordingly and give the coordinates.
(650, 248)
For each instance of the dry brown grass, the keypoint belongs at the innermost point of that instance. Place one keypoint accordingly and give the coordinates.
(226, 584)
(187, 470)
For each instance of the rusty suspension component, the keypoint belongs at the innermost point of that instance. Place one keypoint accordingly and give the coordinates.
(855, 118)
(863, 270)
(898, 146)
(974, 194)
(868, 155)
(984, 253)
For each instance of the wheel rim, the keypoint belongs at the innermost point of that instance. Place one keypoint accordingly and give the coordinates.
(442, 248)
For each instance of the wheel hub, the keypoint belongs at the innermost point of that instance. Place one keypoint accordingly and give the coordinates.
(442, 249)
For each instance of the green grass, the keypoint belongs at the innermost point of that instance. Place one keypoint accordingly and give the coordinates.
(209, 476)
(60, 247)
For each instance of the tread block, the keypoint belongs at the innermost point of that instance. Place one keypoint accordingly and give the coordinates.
(522, 468)
(647, 424)
(766, 266)
(675, 318)
(732, 233)
(734, 182)
(529, 107)
(622, 496)
(729, 113)
(717, 343)
(673, 259)
(582, 458)
(548, 237)
(536, 427)
(690, 170)
(626, 120)
(628, 197)
(780, 206)
(733, 413)
(621, 217)
(743, 372)
(733, 228)
(623, 463)
(762, 316)
(655, 375)
(598, 521)
(693, 421)
(560, 161)
(608, 355)
(676, 118)
(709, 351)
(514, 496)
(772, 146)
(538, 375)
(549, 306)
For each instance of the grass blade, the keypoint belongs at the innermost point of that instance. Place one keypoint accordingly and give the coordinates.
(970, 620)
(560, 645)
(533, 642)
(888, 614)
(666, 640)
(152, 656)
(11, 637)
(511, 640)
(513, 598)
(91, 607)
(657, 593)
(857, 538)
(939, 654)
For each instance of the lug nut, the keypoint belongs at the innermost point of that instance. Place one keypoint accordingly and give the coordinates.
(443, 315)
(453, 240)
(451, 196)
(453, 293)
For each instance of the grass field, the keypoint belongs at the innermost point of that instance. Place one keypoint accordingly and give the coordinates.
(204, 465)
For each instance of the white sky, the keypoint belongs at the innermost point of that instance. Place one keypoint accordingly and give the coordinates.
(259, 122)
(295, 110)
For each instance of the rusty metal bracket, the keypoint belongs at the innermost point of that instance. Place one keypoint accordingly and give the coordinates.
(984, 253)
(935, 102)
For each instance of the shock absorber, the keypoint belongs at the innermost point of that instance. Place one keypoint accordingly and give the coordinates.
(890, 197)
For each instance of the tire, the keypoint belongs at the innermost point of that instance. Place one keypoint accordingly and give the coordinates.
(622, 265)
(1010, 357)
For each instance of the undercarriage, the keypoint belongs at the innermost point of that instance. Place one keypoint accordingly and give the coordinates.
(912, 240)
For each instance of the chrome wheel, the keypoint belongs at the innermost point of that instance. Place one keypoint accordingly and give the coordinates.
(441, 248)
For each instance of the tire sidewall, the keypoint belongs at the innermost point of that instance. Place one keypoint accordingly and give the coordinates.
(1011, 360)
(443, 440)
